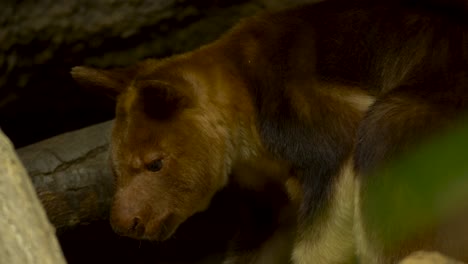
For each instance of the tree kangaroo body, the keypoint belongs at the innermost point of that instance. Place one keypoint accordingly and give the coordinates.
(316, 98)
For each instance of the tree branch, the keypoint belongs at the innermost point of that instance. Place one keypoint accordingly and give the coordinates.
(71, 175)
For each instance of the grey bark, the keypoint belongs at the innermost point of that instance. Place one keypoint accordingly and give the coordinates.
(26, 236)
(71, 175)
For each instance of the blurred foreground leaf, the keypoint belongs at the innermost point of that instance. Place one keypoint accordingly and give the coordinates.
(422, 188)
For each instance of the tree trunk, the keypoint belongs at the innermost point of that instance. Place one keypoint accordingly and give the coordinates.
(26, 235)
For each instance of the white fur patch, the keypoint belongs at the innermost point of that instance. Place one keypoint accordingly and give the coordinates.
(365, 251)
(332, 241)
(359, 101)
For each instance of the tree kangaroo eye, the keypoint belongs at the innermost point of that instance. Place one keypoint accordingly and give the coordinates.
(155, 165)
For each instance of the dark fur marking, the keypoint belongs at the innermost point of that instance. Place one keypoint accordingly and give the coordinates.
(159, 100)
(409, 114)
(315, 148)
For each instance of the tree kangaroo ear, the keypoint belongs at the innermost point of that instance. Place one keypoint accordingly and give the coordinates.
(161, 100)
(110, 82)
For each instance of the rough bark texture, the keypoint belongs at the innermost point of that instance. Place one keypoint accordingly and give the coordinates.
(26, 235)
(71, 175)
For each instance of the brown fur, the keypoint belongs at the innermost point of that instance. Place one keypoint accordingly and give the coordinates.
(293, 98)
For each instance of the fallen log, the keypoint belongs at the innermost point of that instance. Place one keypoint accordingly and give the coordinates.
(71, 175)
